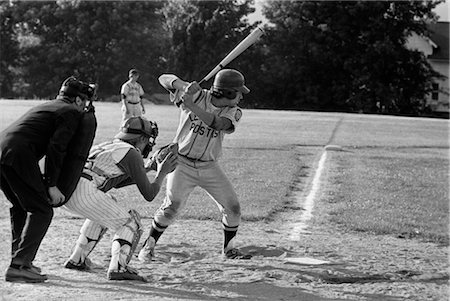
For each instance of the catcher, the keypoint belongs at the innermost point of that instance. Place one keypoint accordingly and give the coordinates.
(116, 164)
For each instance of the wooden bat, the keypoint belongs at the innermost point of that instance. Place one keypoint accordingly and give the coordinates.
(241, 47)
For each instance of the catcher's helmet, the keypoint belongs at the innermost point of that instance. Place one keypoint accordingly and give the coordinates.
(135, 127)
(73, 87)
(227, 82)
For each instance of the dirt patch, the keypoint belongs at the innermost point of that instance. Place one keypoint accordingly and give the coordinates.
(188, 266)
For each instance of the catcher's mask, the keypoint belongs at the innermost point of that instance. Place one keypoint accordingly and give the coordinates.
(135, 127)
(227, 83)
(72, 87)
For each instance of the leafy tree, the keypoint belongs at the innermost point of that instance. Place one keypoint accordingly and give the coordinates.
(347, 55)
(202, 33)
(97, 41)
(8, 49)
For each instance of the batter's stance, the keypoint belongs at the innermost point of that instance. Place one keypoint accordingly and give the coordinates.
(113, 165)
(206, 116)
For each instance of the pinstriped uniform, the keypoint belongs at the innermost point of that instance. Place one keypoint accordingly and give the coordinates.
(199, 148)
(90, 198)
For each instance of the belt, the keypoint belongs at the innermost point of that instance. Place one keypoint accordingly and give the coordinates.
(133, 103)
(192, 159)
(86, 176)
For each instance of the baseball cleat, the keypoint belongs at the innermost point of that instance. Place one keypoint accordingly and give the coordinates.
(80, 266)
(126, 274)
(24, 274)
(236, 254)
(148, 251)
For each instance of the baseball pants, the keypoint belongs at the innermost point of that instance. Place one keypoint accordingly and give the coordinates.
(133, 110)
(101, 211)
(210, 177)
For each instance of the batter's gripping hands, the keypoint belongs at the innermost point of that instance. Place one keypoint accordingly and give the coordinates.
(160, 155)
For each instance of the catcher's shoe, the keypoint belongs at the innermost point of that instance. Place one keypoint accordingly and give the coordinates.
(23, 274)
(147, 252)
(234, 253)
(127, 273)
(84, 266)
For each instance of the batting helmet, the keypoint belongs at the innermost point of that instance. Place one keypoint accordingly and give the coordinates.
(73, 87)
(228, 81)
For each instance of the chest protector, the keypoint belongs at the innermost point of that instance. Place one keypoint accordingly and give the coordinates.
(102, 164)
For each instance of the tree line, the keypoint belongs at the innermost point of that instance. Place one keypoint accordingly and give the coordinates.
(346, 56)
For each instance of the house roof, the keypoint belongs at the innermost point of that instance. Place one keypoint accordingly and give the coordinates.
(439, 36)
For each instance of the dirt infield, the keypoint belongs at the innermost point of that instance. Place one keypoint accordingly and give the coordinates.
(188, 266)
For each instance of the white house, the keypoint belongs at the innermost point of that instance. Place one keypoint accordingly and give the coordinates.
(436, 48)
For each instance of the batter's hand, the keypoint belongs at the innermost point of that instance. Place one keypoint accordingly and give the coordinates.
(56, 196)
(192, 88)
(189, 92)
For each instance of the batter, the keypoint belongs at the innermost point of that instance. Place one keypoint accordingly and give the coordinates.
(205, 117)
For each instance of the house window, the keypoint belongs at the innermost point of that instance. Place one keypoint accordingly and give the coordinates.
(435, 92)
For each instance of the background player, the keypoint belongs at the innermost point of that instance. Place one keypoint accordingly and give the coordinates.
(131, 94)
(46, 130)
(206, 116)
(113, 165)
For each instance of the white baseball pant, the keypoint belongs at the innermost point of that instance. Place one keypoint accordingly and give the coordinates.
(207, 175)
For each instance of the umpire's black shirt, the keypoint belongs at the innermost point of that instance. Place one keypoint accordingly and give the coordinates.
(45, 130)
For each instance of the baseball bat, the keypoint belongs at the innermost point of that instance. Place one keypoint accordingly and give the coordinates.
(241, 47)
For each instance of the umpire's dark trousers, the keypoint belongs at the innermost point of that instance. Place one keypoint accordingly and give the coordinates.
(31, 215)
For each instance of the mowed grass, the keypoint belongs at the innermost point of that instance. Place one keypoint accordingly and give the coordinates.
(392, 177)
(389, 191)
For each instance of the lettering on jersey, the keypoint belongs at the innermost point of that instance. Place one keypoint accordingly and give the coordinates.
(202, 130)
(193, 117)
(238, 115)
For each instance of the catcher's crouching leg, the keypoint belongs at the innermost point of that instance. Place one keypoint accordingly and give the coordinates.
(124, 243)
(90, 234)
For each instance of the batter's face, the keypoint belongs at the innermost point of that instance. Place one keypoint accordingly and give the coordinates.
(237, 99)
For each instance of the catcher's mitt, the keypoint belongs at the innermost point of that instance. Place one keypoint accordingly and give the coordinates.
(160, 155)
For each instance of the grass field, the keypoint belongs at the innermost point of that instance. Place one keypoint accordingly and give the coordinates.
(391, 178)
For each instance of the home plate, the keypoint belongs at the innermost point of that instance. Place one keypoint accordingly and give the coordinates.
(305, 260)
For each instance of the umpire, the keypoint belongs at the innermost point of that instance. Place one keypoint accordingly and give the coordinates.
(45, 130)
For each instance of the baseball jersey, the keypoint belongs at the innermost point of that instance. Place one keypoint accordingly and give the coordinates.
(132, 91)
(196, 140)
(116, 164)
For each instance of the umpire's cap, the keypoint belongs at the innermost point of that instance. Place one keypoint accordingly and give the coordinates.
(135, 127)
(72, 87)
(230, 79)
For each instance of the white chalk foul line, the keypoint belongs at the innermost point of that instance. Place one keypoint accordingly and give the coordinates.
(308, 205)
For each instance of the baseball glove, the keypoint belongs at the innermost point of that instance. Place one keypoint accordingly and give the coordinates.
(160, 155)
